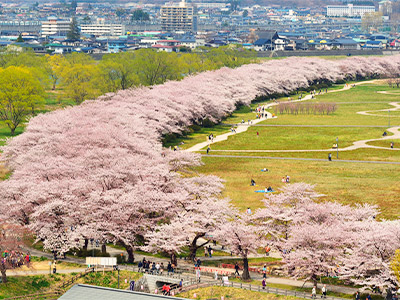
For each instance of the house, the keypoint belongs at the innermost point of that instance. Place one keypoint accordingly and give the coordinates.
(116, 46)
(73, 43)
(215, 43)
(173, 43)
(58, 48)
(263, 45)
(301, 44)
(348, 44)
(165, 48)
(37, 48)
(188, 42)
(147, 42)
(269, 40)
(373, 45)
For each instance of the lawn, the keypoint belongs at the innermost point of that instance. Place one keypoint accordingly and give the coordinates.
(359, 98)
(216, 292)
(292, 138)
(340, 181)
(23, 285)
(386, 143)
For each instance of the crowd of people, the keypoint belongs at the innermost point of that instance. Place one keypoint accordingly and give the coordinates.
(15, 259)
(155, 268)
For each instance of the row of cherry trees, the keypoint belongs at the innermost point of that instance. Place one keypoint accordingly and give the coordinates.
(317, 238)
(99, 171)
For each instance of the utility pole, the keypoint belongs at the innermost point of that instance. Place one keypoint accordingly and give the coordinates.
(337, 147)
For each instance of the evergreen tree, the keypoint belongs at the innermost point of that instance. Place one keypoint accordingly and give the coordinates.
(140, 15)
(73, 33)
(20, 39)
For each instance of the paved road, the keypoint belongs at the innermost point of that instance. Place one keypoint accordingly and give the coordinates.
(307, 159)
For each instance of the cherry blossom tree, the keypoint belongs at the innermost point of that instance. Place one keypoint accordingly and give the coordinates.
(311, 235)
(368, 263)
(198, 212)
(242, 237)
(11, 240)
(281, 209)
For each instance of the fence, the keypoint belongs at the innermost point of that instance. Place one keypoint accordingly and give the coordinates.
(267, 289)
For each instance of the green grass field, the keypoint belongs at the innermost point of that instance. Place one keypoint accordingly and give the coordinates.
(338, 181)
(386, 143)
(347, 182)
(25, 285)
(215, 292)
(289, 138)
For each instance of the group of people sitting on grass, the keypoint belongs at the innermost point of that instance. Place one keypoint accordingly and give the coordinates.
(286, 179)
(154, 268)
(15, 259)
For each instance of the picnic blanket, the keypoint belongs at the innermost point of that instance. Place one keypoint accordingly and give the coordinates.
(263, 191)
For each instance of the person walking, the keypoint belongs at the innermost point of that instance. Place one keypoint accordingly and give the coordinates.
(357, 295)
(330, 156)
(324, 290)
(264, 271)
(264, 283)
(391, 145)
(208, 149)
(237, 269)
(314, 292)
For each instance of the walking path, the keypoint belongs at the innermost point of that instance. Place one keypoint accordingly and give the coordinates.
(396, 108)
(304, 158)
(32, 272)
(356, 145)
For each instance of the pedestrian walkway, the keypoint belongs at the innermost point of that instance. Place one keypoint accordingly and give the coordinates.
(305, 159)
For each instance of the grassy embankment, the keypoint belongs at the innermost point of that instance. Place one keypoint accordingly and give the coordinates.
(23, 285)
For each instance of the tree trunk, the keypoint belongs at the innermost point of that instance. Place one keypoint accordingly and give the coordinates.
(245, 274)
(314, 280)
(85, 245)
(103, 249)
(174, 259)
(3, 272)
(131, 257)
(193, 246)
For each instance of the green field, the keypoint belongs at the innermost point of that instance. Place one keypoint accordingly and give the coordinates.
(216, 292)
(386, 143)
(292, 138)
(346, 182)
(339, 181)
(26, 285)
